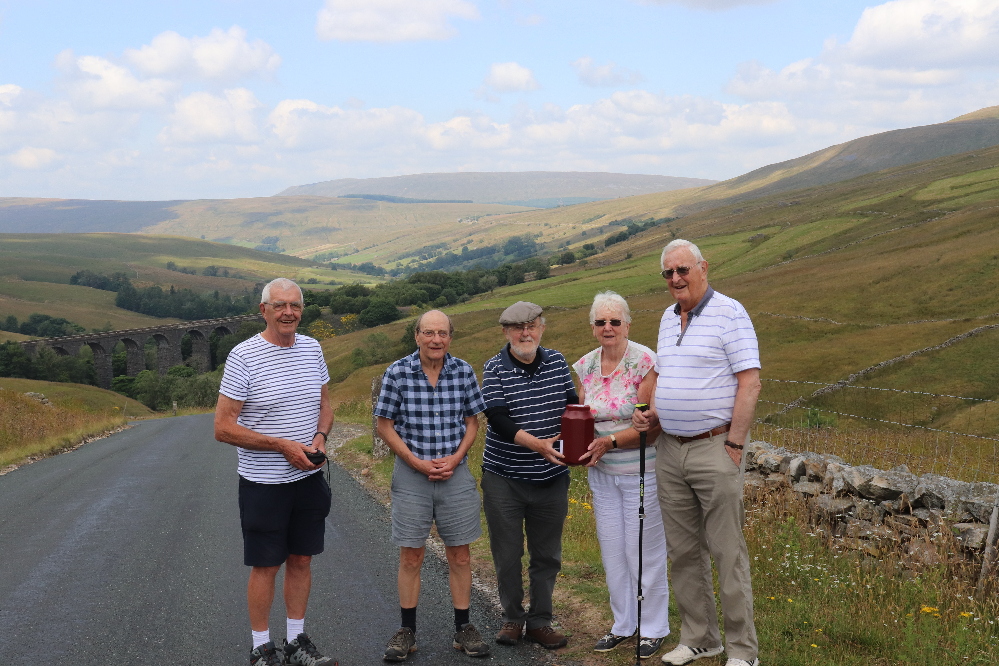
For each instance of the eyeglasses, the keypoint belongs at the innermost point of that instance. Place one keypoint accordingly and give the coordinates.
(530, 328)
(602, 322)
(440, 334)
(281, 305)
(680, 270)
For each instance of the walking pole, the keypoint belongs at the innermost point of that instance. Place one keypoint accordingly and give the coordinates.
(641, 528)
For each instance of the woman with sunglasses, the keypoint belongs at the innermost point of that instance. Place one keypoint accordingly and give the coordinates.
(610, 376)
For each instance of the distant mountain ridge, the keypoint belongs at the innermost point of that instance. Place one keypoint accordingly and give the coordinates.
(542, 189)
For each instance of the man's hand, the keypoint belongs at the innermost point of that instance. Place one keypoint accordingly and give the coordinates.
(294, 453)
(644, 421)
(735, 455)
(546, 447)
(596, 450)
(443, 468)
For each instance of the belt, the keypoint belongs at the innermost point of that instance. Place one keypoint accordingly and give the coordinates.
(704, 435)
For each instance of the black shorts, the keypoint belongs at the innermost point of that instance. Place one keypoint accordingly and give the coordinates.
(281, 519)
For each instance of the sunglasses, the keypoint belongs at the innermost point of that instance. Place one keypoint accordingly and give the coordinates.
(601, 322)
(680, 270)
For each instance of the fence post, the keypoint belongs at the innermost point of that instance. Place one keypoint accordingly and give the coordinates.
(379, 449)
(989, 557)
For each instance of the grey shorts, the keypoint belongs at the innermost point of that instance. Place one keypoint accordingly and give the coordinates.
(418, 502)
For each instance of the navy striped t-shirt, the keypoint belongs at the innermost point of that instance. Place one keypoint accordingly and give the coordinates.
(697, 384)
(535, 402)
(280, 388)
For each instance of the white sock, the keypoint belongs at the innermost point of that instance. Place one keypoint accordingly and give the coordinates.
(295, 627)
(261, 637)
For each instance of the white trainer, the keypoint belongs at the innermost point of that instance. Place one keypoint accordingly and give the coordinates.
(683, 654)
(742, 662)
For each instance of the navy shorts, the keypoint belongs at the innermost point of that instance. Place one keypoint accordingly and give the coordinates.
(281, 519)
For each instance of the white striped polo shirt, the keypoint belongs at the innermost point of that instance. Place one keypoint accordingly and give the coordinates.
(697, 384)
(280, 388)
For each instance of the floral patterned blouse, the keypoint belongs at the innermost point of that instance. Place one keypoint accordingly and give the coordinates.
(612, 399)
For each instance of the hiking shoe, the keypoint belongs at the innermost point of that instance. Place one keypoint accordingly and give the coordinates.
(742, 662)
(683, 654)
(609, 642)
(302, 652)
(649, 646)
(510, 633)
(470, 641)
(546, 637)
(266, 655)
(400, 645)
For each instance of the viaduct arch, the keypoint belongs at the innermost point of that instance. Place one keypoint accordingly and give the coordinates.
(167, 339)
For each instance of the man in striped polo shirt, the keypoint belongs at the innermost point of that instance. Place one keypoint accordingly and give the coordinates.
(427, 415)
(706, 383)
(525, 484)
(274, 406)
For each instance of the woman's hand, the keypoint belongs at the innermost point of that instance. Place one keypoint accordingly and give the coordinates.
(596, 450)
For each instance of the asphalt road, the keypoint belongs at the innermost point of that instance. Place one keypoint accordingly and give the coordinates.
(128, 551)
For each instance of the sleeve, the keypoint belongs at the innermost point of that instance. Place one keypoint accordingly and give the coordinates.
(492, 390)
(474, 404)
(501, 423)
(571, 397)
(324, 371)
(235, 378)
(390, 397)
(739, 341)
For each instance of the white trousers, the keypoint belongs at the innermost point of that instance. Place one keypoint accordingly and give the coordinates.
(615, 507)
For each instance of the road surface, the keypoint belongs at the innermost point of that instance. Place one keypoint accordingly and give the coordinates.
(128, 551)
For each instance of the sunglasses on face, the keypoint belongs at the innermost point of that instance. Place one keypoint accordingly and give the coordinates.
(679, 270)
(602, 322)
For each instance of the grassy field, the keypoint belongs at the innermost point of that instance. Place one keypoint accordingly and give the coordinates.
(29, 428)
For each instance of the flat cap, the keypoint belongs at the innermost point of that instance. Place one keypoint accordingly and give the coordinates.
(520, 312)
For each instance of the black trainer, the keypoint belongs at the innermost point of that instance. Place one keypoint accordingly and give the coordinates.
(402, 643)
(649, 646)
(303, 652)
(609, 641)
(267, 655)
(469, 640)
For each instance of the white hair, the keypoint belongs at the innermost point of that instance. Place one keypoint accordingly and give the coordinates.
(611, 301)
(678, 244)
(280, 283)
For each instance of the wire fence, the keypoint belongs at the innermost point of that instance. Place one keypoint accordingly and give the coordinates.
(950, 435)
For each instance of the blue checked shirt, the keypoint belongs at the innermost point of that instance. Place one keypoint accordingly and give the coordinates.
(430, 420)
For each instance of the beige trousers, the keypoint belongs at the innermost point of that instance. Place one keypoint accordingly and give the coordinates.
(700, 495)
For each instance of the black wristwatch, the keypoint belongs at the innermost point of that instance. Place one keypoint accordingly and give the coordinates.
(325, 436)
(733, 445)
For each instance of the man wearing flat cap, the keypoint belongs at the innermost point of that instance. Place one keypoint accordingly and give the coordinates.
(525, 484)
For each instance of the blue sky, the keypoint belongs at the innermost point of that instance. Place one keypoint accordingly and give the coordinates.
(237, 98)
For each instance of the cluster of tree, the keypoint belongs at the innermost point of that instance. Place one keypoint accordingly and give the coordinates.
(48, 365)
(515, 248)
(367, 268)
(634, 227)
(42, 326)
(184, 303)
(187, 270)
(181, 384)
(270, 244)
(113, 282)
(426, 252)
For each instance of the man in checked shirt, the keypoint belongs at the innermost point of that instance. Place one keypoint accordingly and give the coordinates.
(427, 415)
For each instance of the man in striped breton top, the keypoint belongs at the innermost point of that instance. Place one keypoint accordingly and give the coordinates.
(525, 484)
(706, 383)
(274, 407)
(426, 414)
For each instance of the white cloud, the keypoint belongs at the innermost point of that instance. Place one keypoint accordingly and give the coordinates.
(223, 55)
(207, 118)
(391, 20)
(510, 77)
(98, 83)
(709, 5)
(8, 93)
(610, 74)
(926, 34)
(32, 158)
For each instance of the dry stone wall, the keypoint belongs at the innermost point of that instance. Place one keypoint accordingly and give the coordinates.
(870, 509)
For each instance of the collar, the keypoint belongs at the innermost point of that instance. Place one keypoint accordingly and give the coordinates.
(699, 308)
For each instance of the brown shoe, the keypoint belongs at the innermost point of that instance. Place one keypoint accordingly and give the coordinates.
(510, 633)
(547, 637)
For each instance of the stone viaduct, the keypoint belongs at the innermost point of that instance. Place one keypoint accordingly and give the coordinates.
(167, 337)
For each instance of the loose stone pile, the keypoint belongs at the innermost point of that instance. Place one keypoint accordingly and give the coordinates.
(870, 509)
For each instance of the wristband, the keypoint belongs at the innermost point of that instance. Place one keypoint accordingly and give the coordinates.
(733, 445)
(320, 432)
(613, 441)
